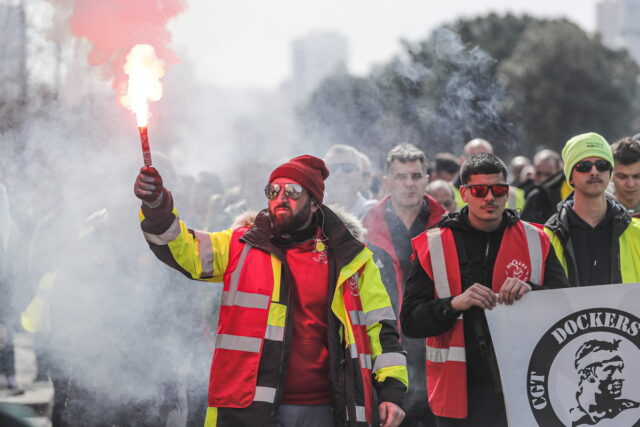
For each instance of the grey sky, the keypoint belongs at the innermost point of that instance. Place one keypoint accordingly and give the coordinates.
(246, 43)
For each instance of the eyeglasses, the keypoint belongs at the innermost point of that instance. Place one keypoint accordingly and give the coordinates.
(481, 190)
(292, 191)
(586, 165)
(344, 167)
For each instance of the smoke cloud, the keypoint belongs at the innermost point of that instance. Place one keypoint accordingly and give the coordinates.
(437, 94)
(123, 337)
(126, 331)
(113, 27)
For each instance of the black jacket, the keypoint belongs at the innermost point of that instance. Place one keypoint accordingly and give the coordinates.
(542, 199)
(423, 315)
(581, 243)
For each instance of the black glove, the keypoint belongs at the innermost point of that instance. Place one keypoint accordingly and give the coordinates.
(148, 187)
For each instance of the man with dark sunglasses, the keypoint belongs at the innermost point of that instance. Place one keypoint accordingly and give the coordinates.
(594, 236)
(478, 146)
(476, 258)
(306, 330)
(346, 180)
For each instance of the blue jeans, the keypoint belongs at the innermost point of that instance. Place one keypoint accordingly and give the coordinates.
(305, 416)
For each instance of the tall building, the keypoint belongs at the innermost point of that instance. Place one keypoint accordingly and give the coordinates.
(618, 21)
(316, 57)
(13, 70)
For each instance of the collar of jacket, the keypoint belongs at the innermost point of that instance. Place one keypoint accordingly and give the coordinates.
(340, 232)
(559, 221)
(375, 222)
(460, 220)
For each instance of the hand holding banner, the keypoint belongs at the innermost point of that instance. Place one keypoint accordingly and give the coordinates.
(570, 356)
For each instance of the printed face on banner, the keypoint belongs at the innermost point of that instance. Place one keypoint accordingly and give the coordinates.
(587, 373)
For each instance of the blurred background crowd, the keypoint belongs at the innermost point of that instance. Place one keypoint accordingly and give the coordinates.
(86, 311)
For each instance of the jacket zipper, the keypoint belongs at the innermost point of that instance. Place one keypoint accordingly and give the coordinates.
(285, 353)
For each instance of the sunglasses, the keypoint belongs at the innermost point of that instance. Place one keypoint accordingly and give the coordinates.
(586, 165)
(292, 191)
(481, 190)
(344, 167)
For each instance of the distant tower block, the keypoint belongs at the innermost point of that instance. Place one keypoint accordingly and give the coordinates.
(618, 22)
(316, 57)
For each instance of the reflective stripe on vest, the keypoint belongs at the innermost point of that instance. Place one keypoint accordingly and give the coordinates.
(265, 394)
(162, 239)
(534, 246)
(244, 299)
(274, 333)
(357, 318)
(440, 277)
(239, 343)
(441, 355)
(365, 361)
(360, 414)
(353, 350)
(239, 298)
(363, 358)
(275, 322)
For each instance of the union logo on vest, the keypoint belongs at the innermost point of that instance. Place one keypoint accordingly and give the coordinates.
(352, 282)
(517, 269)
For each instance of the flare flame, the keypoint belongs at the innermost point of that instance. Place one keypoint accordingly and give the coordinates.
(145, 70)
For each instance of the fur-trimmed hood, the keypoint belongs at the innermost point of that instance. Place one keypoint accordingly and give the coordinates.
(353, 224)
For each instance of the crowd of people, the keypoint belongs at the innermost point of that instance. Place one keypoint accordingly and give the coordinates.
(332, 282)
(443, 240)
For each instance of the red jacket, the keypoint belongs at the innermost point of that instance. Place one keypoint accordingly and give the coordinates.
(378, 235)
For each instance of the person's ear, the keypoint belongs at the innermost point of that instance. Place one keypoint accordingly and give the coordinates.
(314, 205)
(463, 193)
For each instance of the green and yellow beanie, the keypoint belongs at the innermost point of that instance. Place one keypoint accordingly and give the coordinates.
(582, 146)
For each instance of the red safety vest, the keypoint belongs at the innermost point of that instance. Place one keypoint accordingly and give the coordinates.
(522, 254)
(360, 350)
(243, 327)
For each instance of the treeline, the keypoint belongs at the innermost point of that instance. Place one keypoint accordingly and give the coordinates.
(521, 82)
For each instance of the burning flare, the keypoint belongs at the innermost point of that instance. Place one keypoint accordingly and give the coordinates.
(145, 71)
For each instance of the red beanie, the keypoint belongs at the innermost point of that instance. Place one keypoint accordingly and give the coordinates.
(308, 171)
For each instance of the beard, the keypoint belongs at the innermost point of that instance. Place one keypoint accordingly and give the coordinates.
(610, 389)
(287, 224)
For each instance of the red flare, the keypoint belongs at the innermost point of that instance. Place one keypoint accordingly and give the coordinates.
(144, 140)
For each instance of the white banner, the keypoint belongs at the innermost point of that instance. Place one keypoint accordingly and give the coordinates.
(570, 356)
